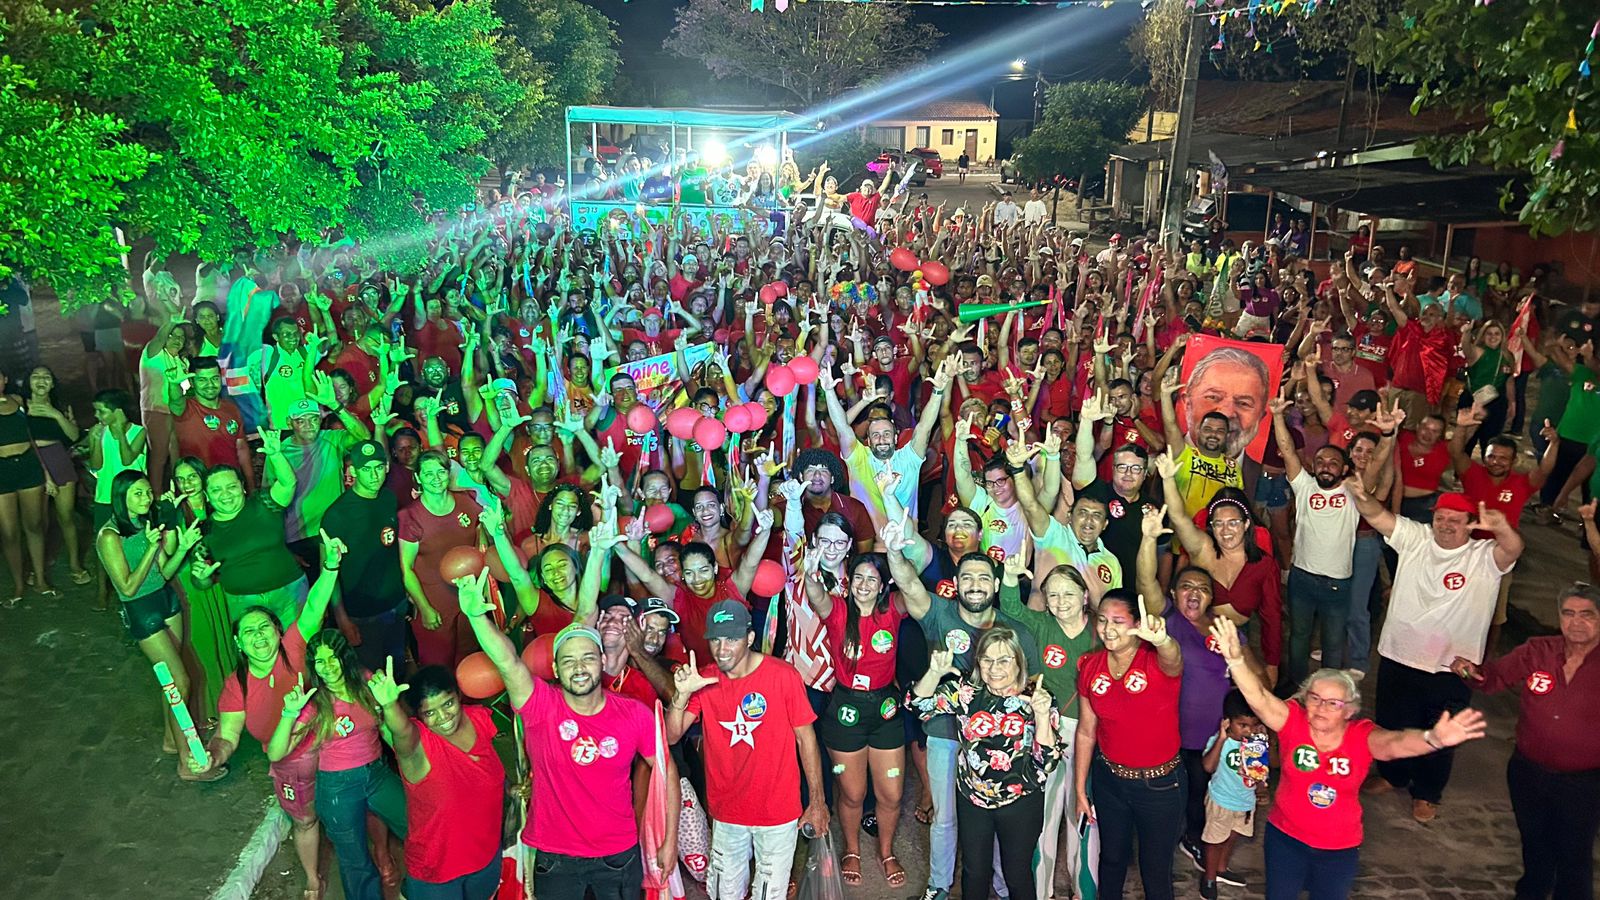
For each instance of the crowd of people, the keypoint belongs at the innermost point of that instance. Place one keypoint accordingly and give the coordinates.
(832, 509)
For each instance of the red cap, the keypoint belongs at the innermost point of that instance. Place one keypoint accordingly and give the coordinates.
(1457, 502)
(652, 311)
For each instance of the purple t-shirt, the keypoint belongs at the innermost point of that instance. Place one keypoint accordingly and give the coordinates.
(1205, 682)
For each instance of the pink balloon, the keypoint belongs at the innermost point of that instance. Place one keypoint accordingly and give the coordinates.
(710, 434)
(737, 418)
(758, 415)
(768, 294)
(804, 369)
(681, 422)
(780, 380)
(769, 579)
(781, 288)
(658, 518)
(641, 419)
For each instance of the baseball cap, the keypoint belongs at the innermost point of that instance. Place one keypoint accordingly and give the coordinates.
(690, 261)
(985, 281)
(304, 407)
(657, 606)
(1076, 242)
(882, 339)
(611, 601)
(366, 451)
(1364, 400)
(1456, 501)
(652, 311)
(574, 631)
(727, 619)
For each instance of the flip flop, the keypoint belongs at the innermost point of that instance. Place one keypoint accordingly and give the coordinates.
(82, 577)
(216, 774)
(11, 602)
(924, 814)
(51, 593)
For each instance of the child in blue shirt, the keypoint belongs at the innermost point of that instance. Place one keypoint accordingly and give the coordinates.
(1236, 757)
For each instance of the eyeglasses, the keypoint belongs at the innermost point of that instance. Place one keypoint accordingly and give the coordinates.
(833, 544)
(1128, 469)
(996, 482)
(1329, 702)
(997, 662)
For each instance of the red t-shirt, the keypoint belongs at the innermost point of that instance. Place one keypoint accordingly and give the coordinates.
(630, 682)
(679, 288)
(1138, 712)
(1372, 352)
(628, 444)
(454, 812)
(1124, 432)
(1508, 496)
(210, 434)
(1318, 801)
(663, 342)
(899, 374)
(261, 700)
(440, 339)
(363, 368)
(692, 612)
(437, 535)
(354, 740)
(1422, 472)
(864, 207)
(870, 665)
(1340, 431)
(752, 770)
(582, 767)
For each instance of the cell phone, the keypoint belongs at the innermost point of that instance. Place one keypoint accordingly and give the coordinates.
(1083, 824)
(1001, 420)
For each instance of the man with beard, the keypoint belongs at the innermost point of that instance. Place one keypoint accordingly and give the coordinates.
(1440, 608)
(954, 627)
(646, 641)
(445, 395)
(608, 423)
(612, 621)
(1235, 383)
(372, 599)
(207, 424)
(1121, 428)
(758, 740)
(1122, 490)
(1204, 466)
(1325, 520)
(878, 453)
(582, 742)
(1076, 543)
(822, 473)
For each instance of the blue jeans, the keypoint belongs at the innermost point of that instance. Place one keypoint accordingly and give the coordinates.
(479, 885)
(1294, 867)
(1363, 581)
(1314, 597)
(1153, 809)
(343, 800)
(942, 834)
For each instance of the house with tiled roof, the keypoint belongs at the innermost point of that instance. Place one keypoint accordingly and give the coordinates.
(950, 126)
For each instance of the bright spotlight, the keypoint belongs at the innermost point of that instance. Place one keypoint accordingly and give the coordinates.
(1019, 64)
(766, 156)
(714, 152)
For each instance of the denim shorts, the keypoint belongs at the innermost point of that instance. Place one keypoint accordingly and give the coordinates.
(1272, 491)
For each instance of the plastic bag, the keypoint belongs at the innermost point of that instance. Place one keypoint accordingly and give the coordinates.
(821, 880)
(694, 835)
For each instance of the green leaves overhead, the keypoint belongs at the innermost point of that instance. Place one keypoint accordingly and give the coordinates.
(1081, 123)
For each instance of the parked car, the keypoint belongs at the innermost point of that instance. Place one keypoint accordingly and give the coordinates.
(893, 159)
(1008, 170)
(1246, 212)
(931, 161)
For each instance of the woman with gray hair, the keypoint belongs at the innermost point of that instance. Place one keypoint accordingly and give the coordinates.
(1314, 826)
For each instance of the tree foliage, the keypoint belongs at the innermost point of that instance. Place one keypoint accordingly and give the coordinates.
(1082, 122)
(809, 53)
(225, 125)
(569, 50)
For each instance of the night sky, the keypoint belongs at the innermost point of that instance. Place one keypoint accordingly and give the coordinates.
(643, 24)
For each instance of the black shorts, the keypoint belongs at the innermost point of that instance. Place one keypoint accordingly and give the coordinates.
(856, 720)
(21, 472)
(148, 615)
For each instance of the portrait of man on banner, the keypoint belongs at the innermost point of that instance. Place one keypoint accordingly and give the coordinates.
(1234, 379)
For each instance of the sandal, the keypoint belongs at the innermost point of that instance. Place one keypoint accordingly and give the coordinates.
(924, 814)
(896, 876)
(216, 774)
(82, 577)
(11, 602)
(50, 594)
(850, 873)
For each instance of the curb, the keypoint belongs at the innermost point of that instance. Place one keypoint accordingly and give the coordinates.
(257, 853)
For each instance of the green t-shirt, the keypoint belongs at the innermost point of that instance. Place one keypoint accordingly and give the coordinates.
(319, 480)
(1581, 421)
(1058, 652)
(250, 548)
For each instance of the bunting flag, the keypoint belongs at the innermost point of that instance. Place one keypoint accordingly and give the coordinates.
(1519, 331)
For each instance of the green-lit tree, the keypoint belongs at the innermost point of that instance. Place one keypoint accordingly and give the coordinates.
(570, 51)
(1082, 122)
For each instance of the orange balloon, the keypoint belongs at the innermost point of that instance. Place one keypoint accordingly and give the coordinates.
(478, 678)
(540, 657)
(460, 562)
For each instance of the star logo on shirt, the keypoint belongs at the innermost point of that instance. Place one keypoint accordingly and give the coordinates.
(741, 730)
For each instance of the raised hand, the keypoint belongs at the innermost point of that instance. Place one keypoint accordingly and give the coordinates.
(893, 534)
(1167, 465)
(791, 490)
(1491, 519)
(1587, 510)
(1227, 635)
(811, 563)
(942, 662)
(492, 519)
(382, 685)
(1016, 567)
(471, 596)
(1152, 525)
(1151, 628)
(1018, 454)
(271, 441)
(1041, 702)
(687, 679)
(188, 536)
(298, 697)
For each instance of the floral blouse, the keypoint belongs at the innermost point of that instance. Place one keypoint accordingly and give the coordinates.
(1000, 760)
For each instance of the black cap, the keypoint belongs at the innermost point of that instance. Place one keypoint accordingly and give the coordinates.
(363, 452)
(655, 606)
(613, 600)
(727, 619)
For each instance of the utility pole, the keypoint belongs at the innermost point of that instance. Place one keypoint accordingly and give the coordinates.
(1178, 166)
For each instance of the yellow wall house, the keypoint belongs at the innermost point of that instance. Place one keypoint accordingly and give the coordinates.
(949, 126)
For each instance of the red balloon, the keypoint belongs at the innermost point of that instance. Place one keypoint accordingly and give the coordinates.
(681, 422)
(936, 273)
(737, 418)
(658, 518)
(540, 657)
(497, 568)
(804, 369)
(769, 579)
(781, 288)
(780, 380)
(710, 434)
(641, 419)
(758, 415)
(769, 294)
(903, 259)
(459, 562)
(478, 678)
(721, 335)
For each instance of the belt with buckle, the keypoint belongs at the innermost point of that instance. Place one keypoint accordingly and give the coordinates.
(1133, 774)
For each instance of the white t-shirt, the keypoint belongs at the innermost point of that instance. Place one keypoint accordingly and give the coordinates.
(1003, 528)
(1325, 527)
(1034, 212)
(1442, 602)
(864, 467)
(1059, 545)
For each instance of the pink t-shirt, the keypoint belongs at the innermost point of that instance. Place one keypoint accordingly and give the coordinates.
(262, 700)
(582, 767)
(354, 740)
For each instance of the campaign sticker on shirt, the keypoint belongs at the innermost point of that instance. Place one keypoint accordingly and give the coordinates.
(1104, 571)
(882, 640)
(1135, 681)
(945, 588)
(233, 426)
(957, 641)
(754, 705)
(608, 747)
(584, 751)
(1100, 684)
(1212, 644)
(386, 536)
(212, 422)
(1306, 758)
(1054, 656)
(1454, 581)
(847, 715)
(998, 526)
(343, 726)
(567, 729)
(1541, 682)
(1322, 795)
(465, 520)
(998, 554)
(860, 682)
(888, 708)
(1116, 509)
